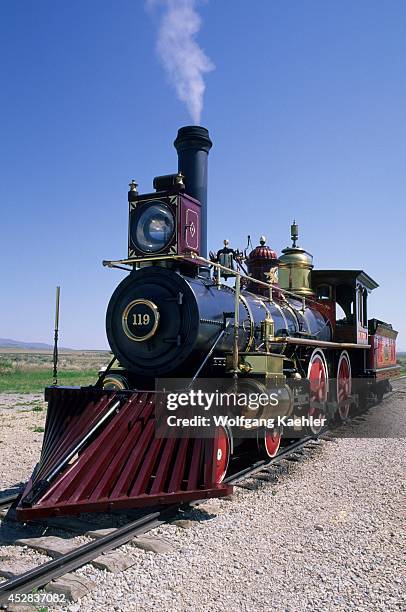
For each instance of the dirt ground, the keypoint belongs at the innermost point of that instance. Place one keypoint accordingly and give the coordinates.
(22, 419)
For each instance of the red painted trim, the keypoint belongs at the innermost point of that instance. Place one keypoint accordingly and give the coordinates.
(124, 465)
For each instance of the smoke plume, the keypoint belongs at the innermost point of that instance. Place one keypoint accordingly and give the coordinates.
(184, 61)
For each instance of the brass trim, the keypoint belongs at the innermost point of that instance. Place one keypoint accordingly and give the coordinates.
(268, 317)
(124, 317)
(245, 303)
(236, 325)
(278, 307)
(320, 343)
(386, 369)
(114, 380)
(291, 265)
(251, 320)
(267, 304)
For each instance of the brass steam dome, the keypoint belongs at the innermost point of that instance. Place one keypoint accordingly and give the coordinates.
(295, 266)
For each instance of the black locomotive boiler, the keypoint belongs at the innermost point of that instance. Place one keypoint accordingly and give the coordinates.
(252, 319)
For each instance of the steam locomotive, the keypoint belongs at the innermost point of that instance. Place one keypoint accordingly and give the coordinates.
(254, 320)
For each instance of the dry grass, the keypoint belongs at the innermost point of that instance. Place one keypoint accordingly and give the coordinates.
(69, 360)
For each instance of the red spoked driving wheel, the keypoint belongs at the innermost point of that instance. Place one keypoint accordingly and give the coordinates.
(318, 377)
(222, 452)
(344, 386)
(269, 441)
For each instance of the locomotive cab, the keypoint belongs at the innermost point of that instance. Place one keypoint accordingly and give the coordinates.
(345, 293)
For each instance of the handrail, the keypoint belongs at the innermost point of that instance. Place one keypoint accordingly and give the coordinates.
(203, 260)
(237, 291)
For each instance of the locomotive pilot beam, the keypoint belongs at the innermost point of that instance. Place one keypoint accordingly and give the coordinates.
(257, 322)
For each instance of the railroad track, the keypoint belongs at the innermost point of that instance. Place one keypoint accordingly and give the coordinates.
(8, 500)
(51, 570)
(284, 453)
(42, 575)
(45, 573)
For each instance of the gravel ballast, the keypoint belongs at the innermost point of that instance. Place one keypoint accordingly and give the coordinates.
(22, 419)
(328, 534)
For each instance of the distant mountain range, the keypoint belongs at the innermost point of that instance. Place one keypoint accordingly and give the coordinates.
(8, 343)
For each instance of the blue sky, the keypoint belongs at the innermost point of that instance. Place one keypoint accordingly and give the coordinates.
(306, 109)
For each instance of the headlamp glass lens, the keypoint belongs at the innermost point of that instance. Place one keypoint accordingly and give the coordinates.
(154, 227)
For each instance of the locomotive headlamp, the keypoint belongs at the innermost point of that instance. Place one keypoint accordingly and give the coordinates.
(163, 224)
(152, 227)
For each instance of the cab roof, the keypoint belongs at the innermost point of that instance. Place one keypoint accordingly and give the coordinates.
(344, 277)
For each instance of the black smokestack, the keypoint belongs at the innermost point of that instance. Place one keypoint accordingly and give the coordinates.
(193, 145)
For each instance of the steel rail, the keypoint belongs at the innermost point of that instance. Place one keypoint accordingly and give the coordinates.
(8, 500)
(45, 573)
(263, 463)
